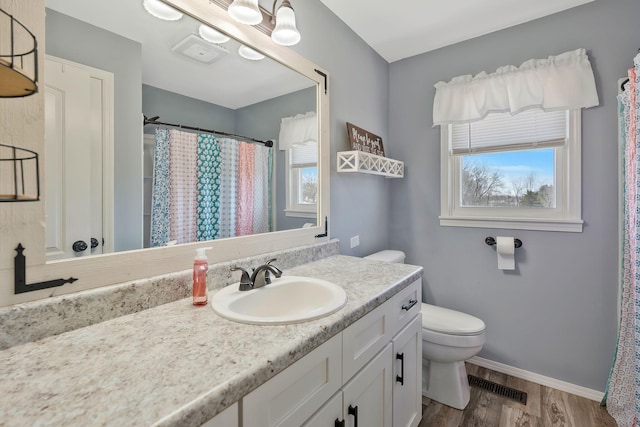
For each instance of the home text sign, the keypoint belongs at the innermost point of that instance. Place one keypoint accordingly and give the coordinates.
(365, 141)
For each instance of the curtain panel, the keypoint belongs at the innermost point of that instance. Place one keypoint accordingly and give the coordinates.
(559, 82)
(298, 130)
(622, 396)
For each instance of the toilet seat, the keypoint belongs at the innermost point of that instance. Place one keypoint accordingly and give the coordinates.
(446, 321)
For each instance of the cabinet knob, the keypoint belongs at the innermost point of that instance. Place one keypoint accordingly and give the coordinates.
(79, 246)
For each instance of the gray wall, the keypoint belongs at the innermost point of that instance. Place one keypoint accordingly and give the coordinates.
(79, 42)
(175, 108)
(556, 314)
(359, 94)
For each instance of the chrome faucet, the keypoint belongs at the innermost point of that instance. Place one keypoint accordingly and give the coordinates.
(260, 276)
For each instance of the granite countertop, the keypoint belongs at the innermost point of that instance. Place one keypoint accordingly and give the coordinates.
(176, 364)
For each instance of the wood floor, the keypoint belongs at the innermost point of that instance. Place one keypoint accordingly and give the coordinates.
(546, 407)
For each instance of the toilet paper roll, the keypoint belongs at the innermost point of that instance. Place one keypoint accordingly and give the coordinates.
(506, 249)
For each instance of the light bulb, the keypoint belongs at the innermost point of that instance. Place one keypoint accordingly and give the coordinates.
(212, 35)
(248, 53)
(285, 33)
(245, 11)
(161, 10)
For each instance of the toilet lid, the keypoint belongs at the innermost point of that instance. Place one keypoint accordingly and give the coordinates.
(444, 320)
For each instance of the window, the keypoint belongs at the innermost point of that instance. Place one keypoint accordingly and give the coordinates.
(513, 171)
(302, 180)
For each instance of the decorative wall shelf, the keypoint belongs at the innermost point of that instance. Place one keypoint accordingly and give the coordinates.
(20, 174)
(359, 161)
(18, 58)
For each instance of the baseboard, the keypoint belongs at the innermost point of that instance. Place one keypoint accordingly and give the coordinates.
(538, 379)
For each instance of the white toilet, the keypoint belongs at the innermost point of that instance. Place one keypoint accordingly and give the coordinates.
(449, 338)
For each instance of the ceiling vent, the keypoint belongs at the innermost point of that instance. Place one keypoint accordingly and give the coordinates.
(196, 48)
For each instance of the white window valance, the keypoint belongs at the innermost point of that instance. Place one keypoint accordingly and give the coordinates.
(298, 130)
(561, 82)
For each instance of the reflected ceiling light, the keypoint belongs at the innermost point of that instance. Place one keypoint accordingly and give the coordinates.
(161, 10)
(245, 11)
(248, 53)
(285, 33)
(211, 35)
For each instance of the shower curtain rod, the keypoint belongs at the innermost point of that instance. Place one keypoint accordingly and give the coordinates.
(154, 121)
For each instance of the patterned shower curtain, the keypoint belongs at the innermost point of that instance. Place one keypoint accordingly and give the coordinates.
(183, 186)
(206, 189)
(623, 389)
(160, 223)
(244, 202)
(208, 178)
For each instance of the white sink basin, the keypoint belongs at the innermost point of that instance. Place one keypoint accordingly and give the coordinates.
(289, 299)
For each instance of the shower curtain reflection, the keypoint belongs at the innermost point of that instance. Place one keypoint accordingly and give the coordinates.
(206, 188)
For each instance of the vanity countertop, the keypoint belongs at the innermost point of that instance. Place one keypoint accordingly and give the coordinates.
(176, 364)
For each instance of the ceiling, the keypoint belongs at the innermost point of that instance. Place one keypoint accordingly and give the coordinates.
(234, 82)
(399, 29)
(231, 81)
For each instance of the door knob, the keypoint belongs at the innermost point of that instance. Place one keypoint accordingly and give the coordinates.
(94, 243)
(79, 246)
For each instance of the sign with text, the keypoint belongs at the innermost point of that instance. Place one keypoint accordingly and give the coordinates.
(365, 141)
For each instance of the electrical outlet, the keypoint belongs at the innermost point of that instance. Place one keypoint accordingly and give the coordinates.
(355, 241)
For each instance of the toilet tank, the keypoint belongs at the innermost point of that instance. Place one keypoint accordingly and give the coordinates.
(388, 256)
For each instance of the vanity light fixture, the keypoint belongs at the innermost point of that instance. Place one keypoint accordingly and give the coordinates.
(211, 35)
(285, 33)
(161, 10)
(280, 24)
(248, 53)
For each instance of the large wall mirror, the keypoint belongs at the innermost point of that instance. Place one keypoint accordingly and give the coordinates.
(118, 84)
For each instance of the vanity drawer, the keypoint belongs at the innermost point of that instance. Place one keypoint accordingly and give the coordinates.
(366, 337)
(406, 304)
(293, 395)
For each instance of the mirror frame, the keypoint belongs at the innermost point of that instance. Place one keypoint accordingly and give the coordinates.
(108, 269)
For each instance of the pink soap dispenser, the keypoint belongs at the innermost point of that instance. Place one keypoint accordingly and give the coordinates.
(200, 268)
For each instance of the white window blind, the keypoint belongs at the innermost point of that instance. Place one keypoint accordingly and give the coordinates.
(503, 132)
(304, 155)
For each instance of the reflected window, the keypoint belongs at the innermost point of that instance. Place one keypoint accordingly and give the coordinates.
(302, 180)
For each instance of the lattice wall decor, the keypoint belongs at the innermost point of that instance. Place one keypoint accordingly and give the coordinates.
(359, 161)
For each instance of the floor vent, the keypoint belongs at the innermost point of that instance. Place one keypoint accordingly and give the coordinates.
(508, 392)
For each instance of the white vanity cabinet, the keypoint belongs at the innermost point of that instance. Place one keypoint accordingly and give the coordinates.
(292, 396)
(364, 401)
(357, 378)
(407, 355)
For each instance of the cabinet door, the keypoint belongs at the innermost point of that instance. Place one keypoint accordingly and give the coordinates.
(407, 355)
(365, 338)
(329, 415)
(292, 396)
(367, 397)
(226, 418)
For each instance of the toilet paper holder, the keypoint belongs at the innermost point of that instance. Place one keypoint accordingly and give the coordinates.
(492, 241)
